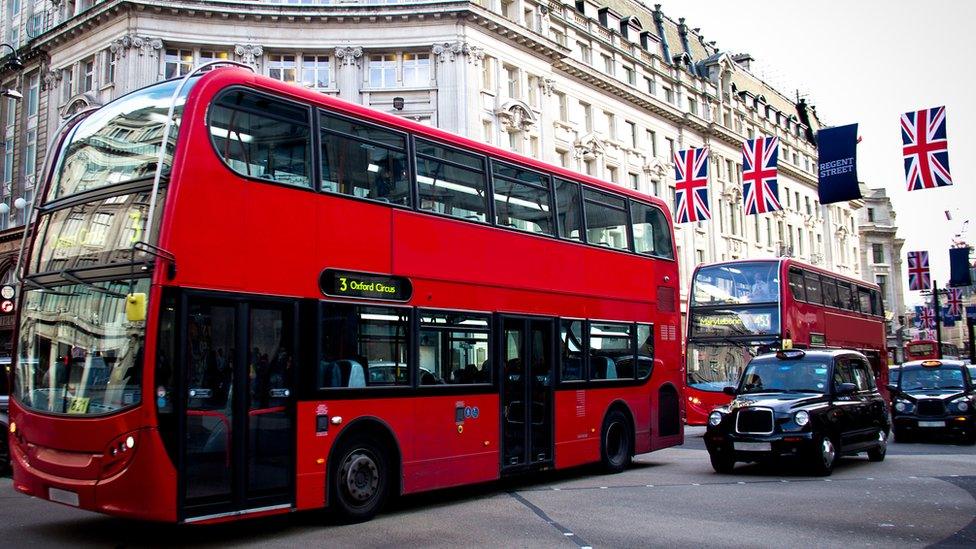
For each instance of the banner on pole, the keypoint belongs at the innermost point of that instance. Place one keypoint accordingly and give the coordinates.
(837, 152)
(959, 274)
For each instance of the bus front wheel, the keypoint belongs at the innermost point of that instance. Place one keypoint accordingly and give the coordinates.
(616, 442)
(360, 478)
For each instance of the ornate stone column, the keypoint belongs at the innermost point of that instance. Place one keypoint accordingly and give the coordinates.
(137, 61)
(349, 59)
(458, 80)
(249, 54)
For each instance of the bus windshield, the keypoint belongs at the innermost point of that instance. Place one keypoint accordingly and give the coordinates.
(79, 355)
(119, 142)
(753, 282)
(712, 367)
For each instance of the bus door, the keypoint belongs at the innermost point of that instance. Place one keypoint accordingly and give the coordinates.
(526, 367)
(237, 432)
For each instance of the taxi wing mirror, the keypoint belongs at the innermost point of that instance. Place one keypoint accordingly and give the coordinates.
(135, 307)
(729, 391)
(893, 389)
(843, 389)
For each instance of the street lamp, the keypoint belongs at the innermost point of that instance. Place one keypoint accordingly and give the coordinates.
(14, 63)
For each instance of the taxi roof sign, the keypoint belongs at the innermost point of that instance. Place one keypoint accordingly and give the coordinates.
(790, 354)
(931, 363)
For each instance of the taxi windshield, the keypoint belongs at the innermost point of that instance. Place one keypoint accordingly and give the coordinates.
(795, 376)
(920, 378)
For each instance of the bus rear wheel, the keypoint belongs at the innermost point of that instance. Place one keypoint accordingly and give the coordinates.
(616, 443)
(360, 478)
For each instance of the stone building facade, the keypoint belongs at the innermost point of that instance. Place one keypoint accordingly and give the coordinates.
(881, 263)
(606, 87)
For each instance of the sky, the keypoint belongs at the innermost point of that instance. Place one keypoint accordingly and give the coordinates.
(867, 62)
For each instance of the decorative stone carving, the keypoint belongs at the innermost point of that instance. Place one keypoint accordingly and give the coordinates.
(249, 53)
(449, 51)
(656, 168)
(145, 45)
(516, 116)
(51, 79)
(349, 55)
(732, 194)
(589, 146)
(548, 86)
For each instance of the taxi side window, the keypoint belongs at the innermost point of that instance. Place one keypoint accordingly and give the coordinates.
(842, 372)
(862, 376)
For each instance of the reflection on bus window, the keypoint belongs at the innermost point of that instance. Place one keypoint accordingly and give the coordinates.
(606, 220)
(363, 346)
(261, 137)
(714, 367)
(737, 284)
(364, 161)
(451, 182)
(453, 348)
(522, 199)
(651, 233)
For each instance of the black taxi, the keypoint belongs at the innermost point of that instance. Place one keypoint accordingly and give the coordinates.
(935, 397)
(813, 405)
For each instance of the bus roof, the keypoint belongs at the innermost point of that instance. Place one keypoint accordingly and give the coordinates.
(232, 74)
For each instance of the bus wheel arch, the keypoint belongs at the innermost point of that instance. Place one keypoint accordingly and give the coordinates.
(617, 437)
(364, 469)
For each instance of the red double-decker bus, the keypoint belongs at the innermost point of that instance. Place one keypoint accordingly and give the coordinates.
(297, 302)
(739, 309)
(922, 349)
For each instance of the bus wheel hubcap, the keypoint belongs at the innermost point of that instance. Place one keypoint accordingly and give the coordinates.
(361, 476)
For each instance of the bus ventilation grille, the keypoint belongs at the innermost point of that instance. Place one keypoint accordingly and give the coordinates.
(665, 299)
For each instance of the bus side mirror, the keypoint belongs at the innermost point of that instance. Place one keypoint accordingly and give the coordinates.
(135, 307)
(729, 391)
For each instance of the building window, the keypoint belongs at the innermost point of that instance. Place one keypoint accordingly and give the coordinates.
(630, 75)
(670, 147)
(108, 67)
(488, 73)
(88, 75)
(656, 187)
(608, 64)
(669, 95)
(283, 67)
(769, 232)
(634, 180)
(563, 107)
(512, 81)
(382, 71)
(612, 174)
(652, 141)
(632, 134)
(208, 56)
(693, 104)
(586, 53)
(532, 91)
(699, 257)
(871, 215)
(316, 71)
(10, 116)
(587, 116)
(488, 132)
(179, 62)
(33, 94)
(416, 69)
(651, 85)
(611, 124)
(877, 252)
(67, 85)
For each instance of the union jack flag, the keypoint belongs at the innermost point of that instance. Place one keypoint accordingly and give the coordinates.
(691, 186)
(918, 271)
(954, 303)
(759, 175)
(928, 318)
(926, 149)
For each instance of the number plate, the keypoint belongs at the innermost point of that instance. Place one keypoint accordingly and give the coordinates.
(752, 446)
(62, 496)
(931, 424)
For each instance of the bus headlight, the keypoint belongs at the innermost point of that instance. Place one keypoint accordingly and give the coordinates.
(801, 418)
(715, 418)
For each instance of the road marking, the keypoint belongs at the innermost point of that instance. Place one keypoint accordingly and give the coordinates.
(566, 532)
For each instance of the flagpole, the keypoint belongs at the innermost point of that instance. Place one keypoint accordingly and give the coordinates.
(938, 318)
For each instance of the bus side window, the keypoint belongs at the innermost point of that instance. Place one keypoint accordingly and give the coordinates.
(650, 229)
(451, 182)
(571, 353)
(569, 211)
(813, 292)
(364, 161)
(797, 285)
(606, 220)
(262, 137)
(645, 350)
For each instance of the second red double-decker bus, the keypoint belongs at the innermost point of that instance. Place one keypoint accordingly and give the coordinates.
(922, 349)
(296, 302)
(739, 309)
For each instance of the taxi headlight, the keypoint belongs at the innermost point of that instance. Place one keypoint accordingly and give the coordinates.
(715, 418)
(801, 418)
(900, 406)
(962, 406)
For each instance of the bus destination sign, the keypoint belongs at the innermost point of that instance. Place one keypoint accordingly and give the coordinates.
(338, 283)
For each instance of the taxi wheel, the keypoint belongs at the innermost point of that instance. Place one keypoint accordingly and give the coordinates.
(722, 462)
(824, 455)
(616, 447)
(360, 479)
(878, 452)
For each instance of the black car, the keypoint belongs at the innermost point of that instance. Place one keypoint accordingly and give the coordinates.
(935, 397)
(811, 405)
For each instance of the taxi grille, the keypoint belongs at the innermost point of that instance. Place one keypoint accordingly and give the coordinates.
(754, 421)
(931, 407)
